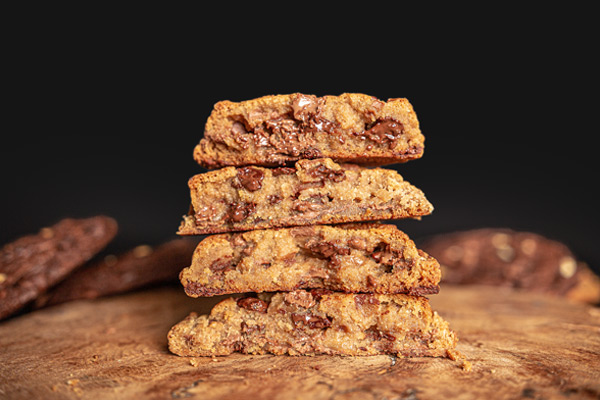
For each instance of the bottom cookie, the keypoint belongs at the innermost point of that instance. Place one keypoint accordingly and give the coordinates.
(316, 322)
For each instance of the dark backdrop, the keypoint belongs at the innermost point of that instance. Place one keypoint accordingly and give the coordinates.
(107, 124)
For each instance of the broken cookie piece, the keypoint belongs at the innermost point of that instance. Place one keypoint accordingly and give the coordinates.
(314, 192)
(281, 129)
(315, 322)
(359, 257)
(521, 260)
(33, 263)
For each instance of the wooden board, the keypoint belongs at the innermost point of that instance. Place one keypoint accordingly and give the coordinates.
(520, 346)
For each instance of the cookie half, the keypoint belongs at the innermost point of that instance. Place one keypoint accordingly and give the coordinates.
(372, 258)
(313, 192)
(522, 260)
(316, 322)
(32, 264)
(281, 129)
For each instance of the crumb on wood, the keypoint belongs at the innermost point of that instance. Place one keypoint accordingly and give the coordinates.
(456, 355)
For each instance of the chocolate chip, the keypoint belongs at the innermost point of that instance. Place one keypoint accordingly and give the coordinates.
(283, 171)
(253, 304)
(308, 185)
(313, 203)
(310, 320)
(327, 249)
(383, 254)
(311, 153)
(318, 293)
(362, 299)
(274, 199)
(240, 211)
(384, 131)
(250, 329)
(324, 173)
(250, 178)
(375, 334)
(221, 264)
(304, 107)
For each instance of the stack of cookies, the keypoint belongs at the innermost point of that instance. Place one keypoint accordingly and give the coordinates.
(291, 206)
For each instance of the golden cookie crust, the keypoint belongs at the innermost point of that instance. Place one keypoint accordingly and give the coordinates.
(365, 257)
(281, 129)
(314, 192)
(316, 322)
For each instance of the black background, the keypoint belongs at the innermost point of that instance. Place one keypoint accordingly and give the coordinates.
(104, 121)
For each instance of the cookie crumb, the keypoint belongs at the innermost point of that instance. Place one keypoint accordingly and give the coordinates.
(467, 365)
(456, 355)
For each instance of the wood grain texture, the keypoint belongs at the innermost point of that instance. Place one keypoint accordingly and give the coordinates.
(521, 346)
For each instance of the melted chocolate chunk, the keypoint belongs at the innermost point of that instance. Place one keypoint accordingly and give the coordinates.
(311, 153)
(250, 178)
(283, 171)
(362, 299)
(304, 107)
(375, 334)
(318, 293)
(240, 211)
(250, 329)
(253, 304)
(274, 199)
(313, 203)
(221, 264)
(385, 131)
(324, 173)
(310, 320)
(327, 249)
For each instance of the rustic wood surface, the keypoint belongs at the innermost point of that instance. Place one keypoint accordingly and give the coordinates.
(520, 346)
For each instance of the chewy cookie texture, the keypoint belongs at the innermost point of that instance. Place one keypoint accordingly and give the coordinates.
(314, 192)
(315, 322)
(281, 129)
(361, 257)
(293, 209)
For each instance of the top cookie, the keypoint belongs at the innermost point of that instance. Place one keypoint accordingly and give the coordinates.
(281, 129)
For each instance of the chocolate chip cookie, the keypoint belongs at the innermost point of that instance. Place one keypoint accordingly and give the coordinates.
(316, 322)
(139, 267)
(368, 257)
(316, 191)
(523, 260)
(281, 129)
(33, 263)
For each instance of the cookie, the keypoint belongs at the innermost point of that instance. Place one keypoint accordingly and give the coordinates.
(282, 129)
(316, 322)
(140, 267)
(313, 192)
(522, 260)
(32, 264)
(373, 258)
